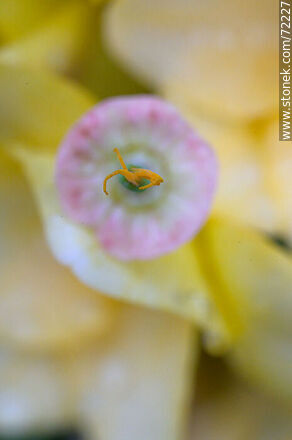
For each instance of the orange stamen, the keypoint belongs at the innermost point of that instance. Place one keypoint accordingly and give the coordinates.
(134, 176)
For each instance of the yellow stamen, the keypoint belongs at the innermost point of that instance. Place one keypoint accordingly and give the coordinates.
(134, 176)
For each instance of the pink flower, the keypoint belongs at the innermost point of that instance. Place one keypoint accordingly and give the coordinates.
(150, 134)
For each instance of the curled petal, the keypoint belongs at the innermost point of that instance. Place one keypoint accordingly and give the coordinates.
(150, 134)
(42, 306)
(257, 276)
(172, 282)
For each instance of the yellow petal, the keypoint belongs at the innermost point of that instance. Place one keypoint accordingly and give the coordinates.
(278, 157)
(148, 36)
(17, 208)
(259, 278)
(56, 44)
(18, 18)
(38, 108)
(138, 384)
(96, 2)
(229, 409)
(42, 306)
(173, 282)
(243, 193)
(233, 82)
(220, 54)
(98, 70)
(33, 395)
(135, 382)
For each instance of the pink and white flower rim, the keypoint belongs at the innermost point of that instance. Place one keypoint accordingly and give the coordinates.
(151, 134)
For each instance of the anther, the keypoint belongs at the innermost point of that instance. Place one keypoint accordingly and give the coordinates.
(134, 176)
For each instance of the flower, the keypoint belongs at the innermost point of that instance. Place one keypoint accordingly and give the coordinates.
(71, 355)
(151, 134)
(34, 143)
(134, 178)
(223, 281)
(221, 51)
(122, 370)
(47, 34)
(217, 63)
(62, 36)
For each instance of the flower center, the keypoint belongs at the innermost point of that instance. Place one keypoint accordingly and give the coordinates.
(128, 185)
(133, 178)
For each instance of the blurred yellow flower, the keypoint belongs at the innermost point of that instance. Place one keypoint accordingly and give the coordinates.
(63, 36)
(43, 34)
(217, 61)
(69, 355)
(229, 281)
(72, 355)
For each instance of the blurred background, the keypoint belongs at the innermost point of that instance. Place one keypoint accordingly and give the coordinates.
(76, 364)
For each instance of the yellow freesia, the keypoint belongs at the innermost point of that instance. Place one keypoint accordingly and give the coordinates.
(258, 277)
(49, 34)
(70, 355)
(223, 51)
(217, 62)
(63, 36)
(230, 282)
(19, 18)
(70, 352)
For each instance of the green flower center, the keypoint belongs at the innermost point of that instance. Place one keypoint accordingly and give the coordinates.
(123, 181)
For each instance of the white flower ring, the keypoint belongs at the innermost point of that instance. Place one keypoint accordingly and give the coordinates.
(149, 133)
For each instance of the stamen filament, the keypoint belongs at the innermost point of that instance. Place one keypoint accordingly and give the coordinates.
(134, 176)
